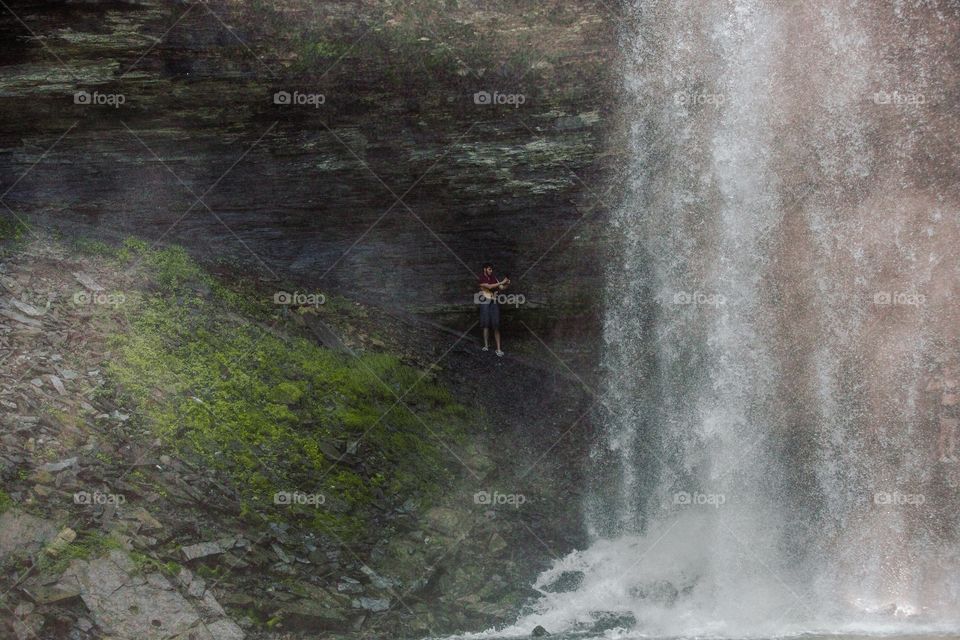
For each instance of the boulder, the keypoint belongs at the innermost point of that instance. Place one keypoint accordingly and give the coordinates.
(22, 533)
(126, 605)
(202, 550)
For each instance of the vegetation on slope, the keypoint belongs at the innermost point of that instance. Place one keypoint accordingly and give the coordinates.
(222, 378)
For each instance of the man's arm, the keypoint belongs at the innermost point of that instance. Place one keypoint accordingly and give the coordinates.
(490, 286)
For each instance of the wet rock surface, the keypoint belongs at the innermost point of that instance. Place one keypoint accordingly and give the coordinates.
(126, 604)
(566, 581)
(22, 532)
(121, 604)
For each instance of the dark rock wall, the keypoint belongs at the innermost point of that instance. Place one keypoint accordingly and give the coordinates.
(392, 191)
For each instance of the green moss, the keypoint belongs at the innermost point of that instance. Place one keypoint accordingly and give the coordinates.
(131, 248)
(125, 253)
(5, 501)
(174, 273)
(272, 622)
(88, 544)
(315, 52)
(147, 564)
(274, 413)
(288, 392)
(12, 230)
(172, 268)
(210, 572)
(92, 247)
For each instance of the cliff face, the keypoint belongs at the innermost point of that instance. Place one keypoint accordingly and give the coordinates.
(418, 141)
(374, 150)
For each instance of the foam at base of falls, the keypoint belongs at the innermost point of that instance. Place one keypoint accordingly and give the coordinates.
(660, 586)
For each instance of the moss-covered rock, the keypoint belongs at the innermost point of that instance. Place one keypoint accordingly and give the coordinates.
(278, 415)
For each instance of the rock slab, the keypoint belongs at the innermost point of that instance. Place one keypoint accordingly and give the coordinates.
(126, 605)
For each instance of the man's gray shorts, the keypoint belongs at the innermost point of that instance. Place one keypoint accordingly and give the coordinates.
(489, 315)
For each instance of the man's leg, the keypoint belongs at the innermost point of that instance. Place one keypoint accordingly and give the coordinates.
(485, 324)
(495, 323)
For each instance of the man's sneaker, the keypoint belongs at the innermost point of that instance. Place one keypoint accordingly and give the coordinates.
(485, 349)
(499, 353)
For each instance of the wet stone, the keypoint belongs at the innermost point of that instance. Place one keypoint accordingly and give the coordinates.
(87, 281)
(54, 467)
(225, 630)
(566, 581)
(349, 585)
(376, 605)
(201, 550)
(26, 308)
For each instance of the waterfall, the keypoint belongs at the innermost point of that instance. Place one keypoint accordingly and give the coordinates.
(778, 309)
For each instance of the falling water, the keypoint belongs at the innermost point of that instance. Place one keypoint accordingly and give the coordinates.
(787, 247)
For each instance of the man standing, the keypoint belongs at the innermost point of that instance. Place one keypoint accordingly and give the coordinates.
(490, 287)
